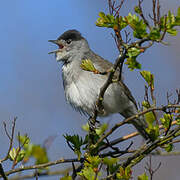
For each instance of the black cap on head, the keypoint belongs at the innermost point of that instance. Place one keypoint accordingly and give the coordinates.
(71, 34)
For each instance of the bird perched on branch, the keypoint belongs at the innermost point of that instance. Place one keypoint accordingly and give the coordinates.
(82, 87)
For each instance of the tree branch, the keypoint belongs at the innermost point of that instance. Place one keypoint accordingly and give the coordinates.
(11, 138)
(134, 117)
(42, 174)
(41, 166)
(146, 149)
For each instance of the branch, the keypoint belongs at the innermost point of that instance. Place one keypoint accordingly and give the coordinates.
(132, 118)
(41, 174)
(146, 149)
(142, 15)
(41, 166)
(2, 173)
(109, 80)
(11, 137)
(99, 106)
(129, 136)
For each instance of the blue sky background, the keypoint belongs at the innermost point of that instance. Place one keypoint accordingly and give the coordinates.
(31, 85)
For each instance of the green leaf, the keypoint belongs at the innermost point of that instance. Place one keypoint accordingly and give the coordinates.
(105, 20)
(17, 155)
(100, 130)
(169, 147)
(172, 32)
(133, 52)
(131, 60)
(76, 142)
(150, 119)
(93, 161)
(149, 78)
(137, 10)
(149, 116)
(40, 154)
(124, 174)
(143, 177)
(86, 139)
(12, 154)
(120, 23)
(153, 132)
(110, 21)
(87, 65)
(169, 22)
(85, 127)
(155, 34)
(90, 167)
(138, 26)
(178, 121)
(24, 140)
(146, 104)
(88, 173)
(110, 161)
(132, 63)
(166, 120)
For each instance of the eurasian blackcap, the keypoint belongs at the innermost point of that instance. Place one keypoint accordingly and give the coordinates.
(82, 87)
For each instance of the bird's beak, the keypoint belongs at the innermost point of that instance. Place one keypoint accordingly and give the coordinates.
(54, 41)
(57, 42)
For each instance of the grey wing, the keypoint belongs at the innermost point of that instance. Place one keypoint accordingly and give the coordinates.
(101, 64)
(128, 93)
(104, 65)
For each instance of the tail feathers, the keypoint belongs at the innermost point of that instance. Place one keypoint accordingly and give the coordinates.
(141, 126)
(139, 123)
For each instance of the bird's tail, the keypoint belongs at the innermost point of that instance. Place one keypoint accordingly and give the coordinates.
(140, 124)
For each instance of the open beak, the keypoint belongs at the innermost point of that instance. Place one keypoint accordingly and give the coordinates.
(57, 42)
(54, 41)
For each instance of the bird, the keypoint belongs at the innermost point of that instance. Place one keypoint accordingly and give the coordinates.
(82, 87)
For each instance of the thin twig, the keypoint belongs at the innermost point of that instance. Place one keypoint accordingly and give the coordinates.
(142, 15)
(19, 149)
(11, 138)
(41, 166)
(150, 169)
(126, 137)
(154, 12)
(146, 149)
(165, 28)
(132, 118)
(42, 174)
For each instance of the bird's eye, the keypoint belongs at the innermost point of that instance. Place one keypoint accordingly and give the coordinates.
(69, 41)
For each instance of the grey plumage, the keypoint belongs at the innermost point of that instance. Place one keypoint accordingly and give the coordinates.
(82, 87)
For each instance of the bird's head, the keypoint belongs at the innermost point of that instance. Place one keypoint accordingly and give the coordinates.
(70, 44)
